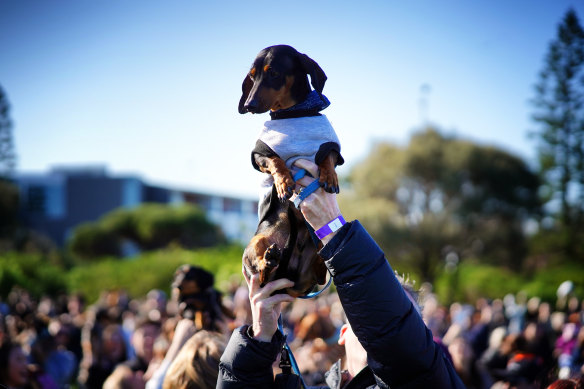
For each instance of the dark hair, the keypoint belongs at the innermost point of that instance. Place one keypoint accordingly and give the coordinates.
(5, 350)
(576, 383)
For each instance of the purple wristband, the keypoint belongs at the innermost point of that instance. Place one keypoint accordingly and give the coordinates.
(330, 227)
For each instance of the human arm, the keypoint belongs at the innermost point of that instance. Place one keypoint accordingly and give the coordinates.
(250, 352)
(400, 349)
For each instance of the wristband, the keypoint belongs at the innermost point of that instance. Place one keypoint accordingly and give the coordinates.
(330, 227)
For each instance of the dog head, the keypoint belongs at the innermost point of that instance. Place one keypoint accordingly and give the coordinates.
(278, 80)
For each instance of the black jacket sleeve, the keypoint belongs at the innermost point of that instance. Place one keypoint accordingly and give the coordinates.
(246, 362)
(400, 348)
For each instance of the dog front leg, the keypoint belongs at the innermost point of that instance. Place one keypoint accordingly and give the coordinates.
(282, 177)
(328, 176)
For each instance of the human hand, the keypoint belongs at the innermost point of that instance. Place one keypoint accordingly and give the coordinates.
(320, 207)
(265, 308)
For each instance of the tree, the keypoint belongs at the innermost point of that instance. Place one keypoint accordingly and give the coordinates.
(8, 191)
(559, 104)
(7, 154)
(148, 227)
(444, 198)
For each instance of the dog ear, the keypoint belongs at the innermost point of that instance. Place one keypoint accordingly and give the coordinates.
(317, 76)
(245, 89)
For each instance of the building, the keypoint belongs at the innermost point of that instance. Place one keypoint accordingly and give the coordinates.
(54, 203)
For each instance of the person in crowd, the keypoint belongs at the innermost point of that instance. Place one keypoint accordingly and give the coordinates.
(142, 342)
(17, 373)
(567, 383)
(388, 344)
(197, 364)
(200, 308)
(123, 377)
(107, 351)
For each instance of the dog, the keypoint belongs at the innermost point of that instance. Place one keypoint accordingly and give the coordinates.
(283, 245)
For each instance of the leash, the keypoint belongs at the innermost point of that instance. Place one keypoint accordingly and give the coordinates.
(307, 191)
(287, 360)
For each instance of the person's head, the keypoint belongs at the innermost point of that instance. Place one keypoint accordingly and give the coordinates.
(113, 345)
(197, 364)
(13, 365)
(192, 289)
(567, 384)
(124, 378)
(143, 339)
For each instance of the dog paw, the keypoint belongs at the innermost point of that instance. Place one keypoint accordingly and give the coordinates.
(285, 188)
(330, 185)
(272, 256)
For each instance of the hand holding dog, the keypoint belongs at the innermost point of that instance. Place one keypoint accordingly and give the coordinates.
(266, 308)
(320, 207)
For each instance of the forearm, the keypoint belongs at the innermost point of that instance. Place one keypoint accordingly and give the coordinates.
(247, 363)
(381, 315)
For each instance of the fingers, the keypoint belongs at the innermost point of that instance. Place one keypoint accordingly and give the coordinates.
(245, 276)
(309, 166)
(269, 288)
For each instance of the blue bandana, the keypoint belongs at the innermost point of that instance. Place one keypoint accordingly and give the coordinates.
(313, 104)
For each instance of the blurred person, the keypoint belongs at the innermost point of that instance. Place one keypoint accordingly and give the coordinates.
(123, 377)
(515, 310)
(575, 383)
(13, 366)
(142, 342)
(197, 364)
(387, 343)
(564, 349)
(56, 361)
(199, 306)
(185, 329)
(198, 300)
(523, 369)
(463, 359)
(104, 355)
(17, 373)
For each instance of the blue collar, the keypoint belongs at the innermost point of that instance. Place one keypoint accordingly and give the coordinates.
(313, 104)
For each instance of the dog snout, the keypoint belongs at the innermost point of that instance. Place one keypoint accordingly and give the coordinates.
(251, 105)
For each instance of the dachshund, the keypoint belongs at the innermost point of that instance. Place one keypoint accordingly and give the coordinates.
(283, 245)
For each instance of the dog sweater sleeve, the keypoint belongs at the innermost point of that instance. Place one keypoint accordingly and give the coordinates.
(261, 148)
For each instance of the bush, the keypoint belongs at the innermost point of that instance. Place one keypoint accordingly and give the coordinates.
(149, 226)
(152, 270)
(32, 272)
(473, 280)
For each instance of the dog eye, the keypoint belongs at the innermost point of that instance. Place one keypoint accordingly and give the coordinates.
(273, 73)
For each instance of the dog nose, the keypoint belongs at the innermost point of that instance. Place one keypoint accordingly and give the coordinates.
(251, 105)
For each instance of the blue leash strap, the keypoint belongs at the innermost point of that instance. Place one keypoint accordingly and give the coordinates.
(307, 191)
(314, 294)
(290, 355)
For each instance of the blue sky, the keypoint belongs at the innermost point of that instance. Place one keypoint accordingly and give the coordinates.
(150, 88)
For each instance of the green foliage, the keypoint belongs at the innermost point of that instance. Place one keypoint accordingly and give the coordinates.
(473, 280)
(149, 226)
(441, 194)
(470, 281)
(559, 103)
(152, 270)
(31, 272)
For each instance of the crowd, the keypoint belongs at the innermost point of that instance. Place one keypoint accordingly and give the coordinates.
(119, 342)
(386, 333)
